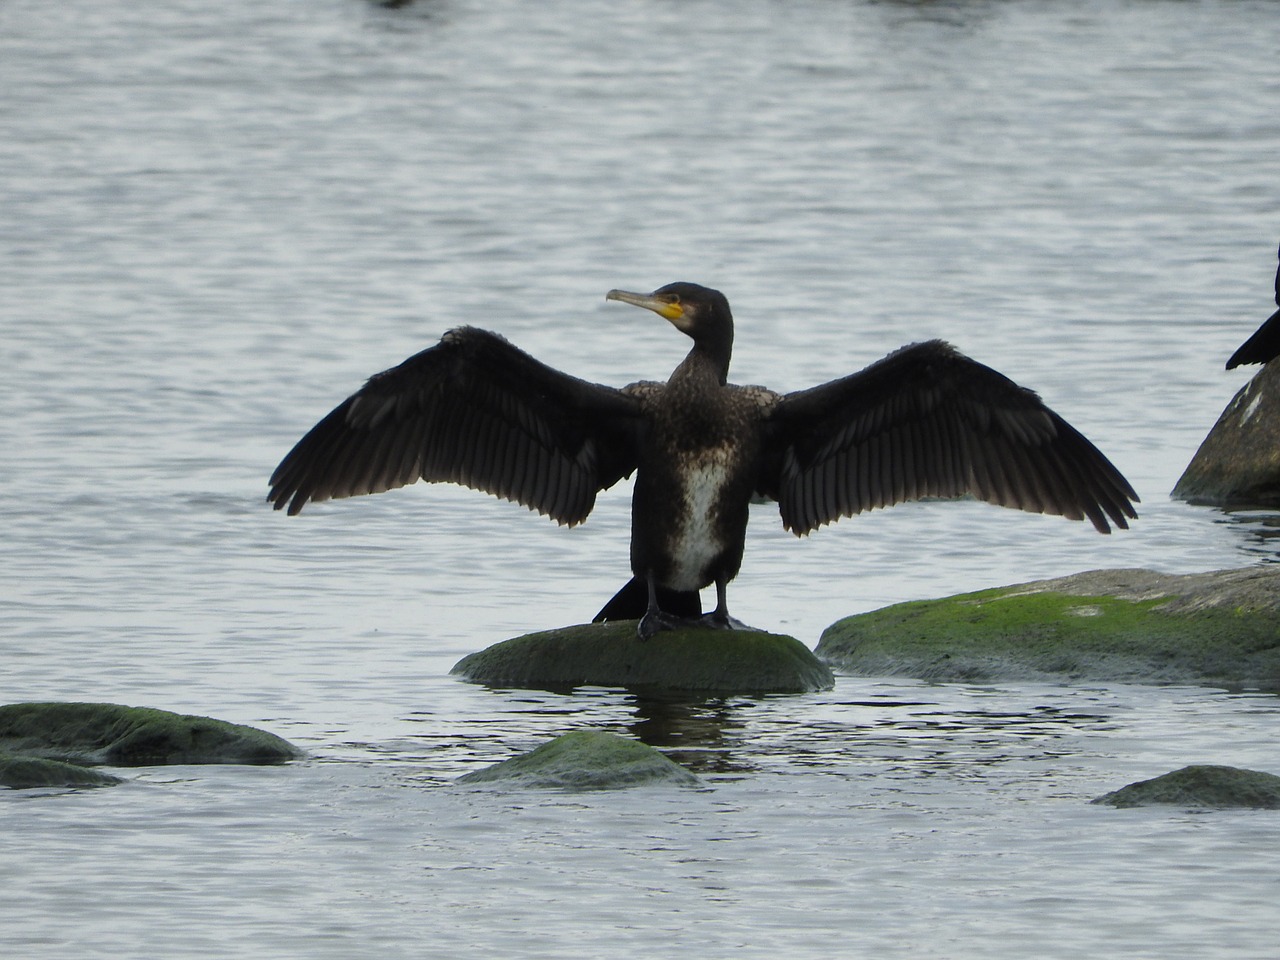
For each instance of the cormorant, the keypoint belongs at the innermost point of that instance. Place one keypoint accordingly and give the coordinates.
(925, 421)
(1264, 345)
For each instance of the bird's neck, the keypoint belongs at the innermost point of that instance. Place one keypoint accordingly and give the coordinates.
(708, 361)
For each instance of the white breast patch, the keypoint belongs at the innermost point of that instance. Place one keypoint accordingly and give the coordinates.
(696, 544)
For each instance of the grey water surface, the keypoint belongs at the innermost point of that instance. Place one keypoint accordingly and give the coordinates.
(217, 219)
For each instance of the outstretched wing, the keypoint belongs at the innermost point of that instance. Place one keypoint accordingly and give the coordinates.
(926, 421)
(472, 410)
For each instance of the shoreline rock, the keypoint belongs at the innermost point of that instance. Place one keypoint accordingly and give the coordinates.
(694, 660)
(1220, 628)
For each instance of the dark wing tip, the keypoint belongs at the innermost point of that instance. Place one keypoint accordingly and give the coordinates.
(472, 410)
(929, 422)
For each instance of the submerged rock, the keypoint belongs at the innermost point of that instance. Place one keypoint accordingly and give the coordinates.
(1201, 786)
(108, 733)
(1238, 464)
(586, 760)
(25, 773)
(611, 655)
(1220, 628)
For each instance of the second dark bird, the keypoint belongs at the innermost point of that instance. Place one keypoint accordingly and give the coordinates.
(926, 421)
(1264, 345)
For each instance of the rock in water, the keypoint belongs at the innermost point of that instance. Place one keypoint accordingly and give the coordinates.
(1127, 625)
(26, 773)
(611, 655)
(116, 735)
(1238, 464)
(586, 760)
(1203, 785)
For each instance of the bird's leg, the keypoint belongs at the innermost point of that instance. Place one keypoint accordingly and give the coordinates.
(654, 618)
(719, 617)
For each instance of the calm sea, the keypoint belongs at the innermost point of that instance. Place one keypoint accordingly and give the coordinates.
(217, 219)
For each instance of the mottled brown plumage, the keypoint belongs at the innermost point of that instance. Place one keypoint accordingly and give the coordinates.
(925, 421)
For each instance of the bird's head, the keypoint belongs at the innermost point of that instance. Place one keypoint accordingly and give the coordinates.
(695, 310)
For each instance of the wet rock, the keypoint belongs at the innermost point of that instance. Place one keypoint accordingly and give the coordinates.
(1220, 628)
(586, 760)
(611, 655)
(1201, 786)
(25, 773)
(108, 733)
(1238, 464)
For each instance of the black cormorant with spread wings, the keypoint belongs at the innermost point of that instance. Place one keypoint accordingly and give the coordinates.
(1264, 345)
(925, 421)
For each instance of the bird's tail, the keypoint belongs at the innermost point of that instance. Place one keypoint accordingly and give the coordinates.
(1262, 347)
(631, 602)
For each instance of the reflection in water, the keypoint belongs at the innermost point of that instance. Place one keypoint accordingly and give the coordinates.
(698, 734)
(1259, 531)
(954, 730)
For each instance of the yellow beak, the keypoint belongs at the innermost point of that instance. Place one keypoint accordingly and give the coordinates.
(663, 308)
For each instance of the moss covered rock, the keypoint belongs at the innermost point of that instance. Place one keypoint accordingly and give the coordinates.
(1220, 628)
(611, 655)
(108, 733)
(586, 760)
(1238, 464)
(1201, 786)
(25, 773)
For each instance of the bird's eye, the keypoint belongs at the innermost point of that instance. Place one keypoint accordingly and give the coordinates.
(673, 298)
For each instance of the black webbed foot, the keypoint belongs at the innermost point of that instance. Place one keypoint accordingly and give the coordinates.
(719, 621)
(655, 621)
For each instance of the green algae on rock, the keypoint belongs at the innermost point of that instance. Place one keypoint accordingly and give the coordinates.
(116, 735)
(27, 773)
(1218, 628)
(586, 760)
(1202, 785)
(611, 655)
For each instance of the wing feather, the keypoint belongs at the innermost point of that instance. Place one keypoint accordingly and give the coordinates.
(472, 410)
(929, 421)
